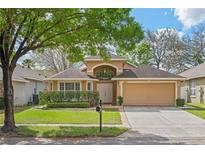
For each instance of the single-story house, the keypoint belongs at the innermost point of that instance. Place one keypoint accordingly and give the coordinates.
(192, 90)
(26, 82)
(143, 85)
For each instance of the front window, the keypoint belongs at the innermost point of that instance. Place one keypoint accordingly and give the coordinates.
(193, 87)
(104, 74)
(77, 86)
(61, 86)
(69, 86)
(89, 86)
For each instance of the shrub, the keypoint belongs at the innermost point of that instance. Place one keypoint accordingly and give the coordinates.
(180, 102)
(120, 100)
(1, 103)
(69, 96)
(68, 105)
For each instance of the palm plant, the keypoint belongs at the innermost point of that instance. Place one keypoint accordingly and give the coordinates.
(28, 63)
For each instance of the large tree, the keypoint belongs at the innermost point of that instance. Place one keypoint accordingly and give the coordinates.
(195, 45)
(55, 60)
(84, 31)
(142, 54)
(166, 47)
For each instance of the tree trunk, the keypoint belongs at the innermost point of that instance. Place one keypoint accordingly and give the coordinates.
(9, 122)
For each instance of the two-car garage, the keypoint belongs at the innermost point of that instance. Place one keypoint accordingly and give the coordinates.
(148, 86)
(149, 94)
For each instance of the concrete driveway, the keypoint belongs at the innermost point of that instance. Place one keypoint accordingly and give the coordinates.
(164, 122)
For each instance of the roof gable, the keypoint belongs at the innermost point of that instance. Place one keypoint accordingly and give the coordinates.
(195, 72)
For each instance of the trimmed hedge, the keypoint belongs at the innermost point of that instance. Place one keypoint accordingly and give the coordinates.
(180, 102)
(68, 96)
(1, 103)
(69, 105)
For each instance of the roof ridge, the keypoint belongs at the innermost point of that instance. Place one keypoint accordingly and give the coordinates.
(59, 73)
(194, 67)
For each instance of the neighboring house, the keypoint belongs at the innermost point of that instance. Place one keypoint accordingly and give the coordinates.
(26, 82)
(190, 89)
(143, 85)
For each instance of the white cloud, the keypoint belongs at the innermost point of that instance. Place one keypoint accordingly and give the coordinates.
(190, 17)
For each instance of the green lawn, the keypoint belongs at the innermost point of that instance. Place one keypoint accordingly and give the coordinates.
(198, 111)
(39, 131)
(196, 105)
(52, 116)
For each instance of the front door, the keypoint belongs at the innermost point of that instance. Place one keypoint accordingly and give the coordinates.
(105, 91)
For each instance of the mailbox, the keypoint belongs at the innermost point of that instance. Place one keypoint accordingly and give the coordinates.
(98, 108)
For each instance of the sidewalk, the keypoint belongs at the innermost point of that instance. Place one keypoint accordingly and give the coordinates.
(71, 125)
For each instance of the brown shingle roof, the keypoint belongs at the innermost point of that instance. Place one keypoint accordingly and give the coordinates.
(195, 72)
(28, 73)
(146, 71)
(70, 73)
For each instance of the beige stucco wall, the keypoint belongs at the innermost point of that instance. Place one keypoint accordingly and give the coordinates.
(200, 82)
(128, 66)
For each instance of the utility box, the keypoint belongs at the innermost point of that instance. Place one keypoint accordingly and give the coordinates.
(35, 99)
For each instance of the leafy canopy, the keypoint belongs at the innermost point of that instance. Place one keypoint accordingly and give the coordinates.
(80, 31)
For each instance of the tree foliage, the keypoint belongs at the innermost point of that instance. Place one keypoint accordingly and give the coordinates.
(141, 54)
(81, 31)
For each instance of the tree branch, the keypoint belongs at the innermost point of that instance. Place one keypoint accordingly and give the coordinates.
(17, 33)
(73, 16)
(63, 33)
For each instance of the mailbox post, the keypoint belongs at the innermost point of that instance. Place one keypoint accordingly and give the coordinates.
(99, 109)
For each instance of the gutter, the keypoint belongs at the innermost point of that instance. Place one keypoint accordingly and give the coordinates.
(145, 79)
(70, 79)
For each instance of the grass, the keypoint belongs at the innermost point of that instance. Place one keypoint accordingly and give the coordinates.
(44, 131)
(55, 116)
(18, 108)
(198, 111)
(199, 105)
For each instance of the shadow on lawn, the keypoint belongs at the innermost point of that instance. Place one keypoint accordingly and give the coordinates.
(22, 131)
(64, 132)
(25, 131)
